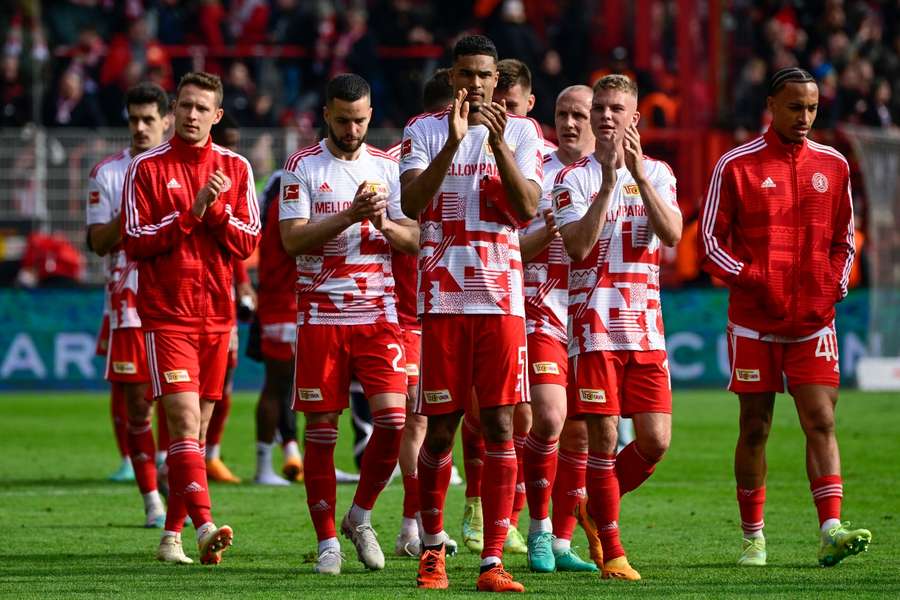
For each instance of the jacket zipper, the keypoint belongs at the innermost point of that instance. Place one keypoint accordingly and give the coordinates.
(795, 205)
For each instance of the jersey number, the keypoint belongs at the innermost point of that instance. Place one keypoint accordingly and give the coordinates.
(396, 361)
(827, 347)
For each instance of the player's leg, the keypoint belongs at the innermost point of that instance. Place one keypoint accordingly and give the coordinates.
(321, 487)
(515, 543)
(276, 385)
(500, 381)
(216, 468)
(570, 500)
(143, 455)
(473, 464)
(408, 540)
(119, 415)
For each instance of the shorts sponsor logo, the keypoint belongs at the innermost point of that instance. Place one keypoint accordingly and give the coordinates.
(545, 368)
(309, 394)
(437, 396)
(177, 376)
(596, 396)
(820, 182)
(412, 370)
(747, 374)
(632, 190)
(94, 198)
(291, 193)
(124, 368)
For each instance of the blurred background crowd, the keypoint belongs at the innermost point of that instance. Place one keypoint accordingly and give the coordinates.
(701, 66)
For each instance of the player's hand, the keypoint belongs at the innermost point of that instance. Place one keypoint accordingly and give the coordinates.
(459, 117)
(607, 156)
(494, 118)
(209, 192)
(634, 155)
(367, 204)
(550, 223)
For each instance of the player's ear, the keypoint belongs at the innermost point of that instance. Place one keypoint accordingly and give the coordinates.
(635, 118)
(219, 112)
(531, 101)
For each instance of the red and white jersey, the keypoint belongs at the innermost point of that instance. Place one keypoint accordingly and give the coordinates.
(469, 259)
(104, 204)
(547, 274)
(549, 148)
(349, 280)
(614, 301)
(405, 270)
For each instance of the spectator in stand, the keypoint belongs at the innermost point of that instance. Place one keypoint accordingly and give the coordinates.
(15, 99)
(248, 21)
(70, 106)
(239, 92)
(134, 51)
(292, 23)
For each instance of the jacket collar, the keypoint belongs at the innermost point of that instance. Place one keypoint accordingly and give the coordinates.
(191, 154)
(775, 143)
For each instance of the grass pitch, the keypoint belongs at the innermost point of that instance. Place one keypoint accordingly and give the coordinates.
(67, 532)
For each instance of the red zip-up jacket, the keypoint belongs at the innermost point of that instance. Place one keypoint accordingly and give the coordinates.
(185, 263)
(277, 293)
(777, 227)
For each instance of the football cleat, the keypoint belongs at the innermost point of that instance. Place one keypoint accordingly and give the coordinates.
(840, 541)
(293, 468)
(171, 551)
(618, 568)
(213, 542)
(753, 552)
(329, 562)
(497, 579)
(125, 472)
(540, 552)
(590, 531)
(365, 540)
(272, 479)
(408, 544)
(515, 543)
(473, 525)
(216, 470)
(432, 573)
(569, 561)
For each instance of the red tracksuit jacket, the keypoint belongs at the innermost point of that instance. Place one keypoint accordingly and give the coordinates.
(185, 263)
(777, 227)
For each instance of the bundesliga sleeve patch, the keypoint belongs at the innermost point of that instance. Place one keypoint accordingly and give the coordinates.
(94, 197)
(562, 200)
(291, 192)
(406, 148)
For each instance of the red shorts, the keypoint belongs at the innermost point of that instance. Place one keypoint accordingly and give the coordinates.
(126, 361)
(459, 352)
(412, 346)
(758, 366)
(187, 362)
(620, 382)
(277, 340)
(548, 360)
(103, 338)
(328, 356)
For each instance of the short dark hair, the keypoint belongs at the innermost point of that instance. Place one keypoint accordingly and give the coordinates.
(513, 72)
(472, 45)
(204, 81)
(225, 123)
(438, 91)
(348, 87)
(148, 93)
(789, 75)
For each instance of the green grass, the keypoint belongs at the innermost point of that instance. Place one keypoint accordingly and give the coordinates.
(68, 533)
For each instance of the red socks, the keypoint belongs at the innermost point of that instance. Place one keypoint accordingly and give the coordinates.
(410, 495)
(319, 477)
(603, 502)
(751, 504)
(519, 497)
(216, 427)
(434, 479)
(568, 490)
(119, 413)
(827, 493)
(539, 459)
(143, 455)
(187, 478)
(380, 456)
(473, 455)
(632, 469)
(499, 488)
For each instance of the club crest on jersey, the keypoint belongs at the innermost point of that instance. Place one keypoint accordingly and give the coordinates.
(819, 182)
(177, 376)
(631, 190)
(596, 396)
(94, 197)
(545, 368)
(124, 368)
(406, 148)
(437, 396)
(291, 193)
(226, 185)
(309, 394)
(747, 374)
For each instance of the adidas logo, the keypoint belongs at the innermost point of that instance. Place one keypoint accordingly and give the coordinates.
(193, 488)
(431, 511)
(611, 526)
(540, 483)
(767, 183)
(520, 488)
(578, 492)
(325, 187)
(320, 506)
(141, 457)
(502, 523)
(173, 184)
